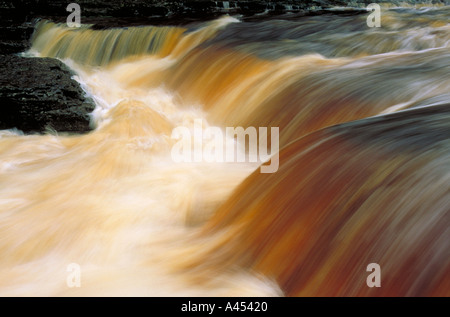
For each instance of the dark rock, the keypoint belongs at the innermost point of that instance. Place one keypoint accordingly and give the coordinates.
(252, 7)
(39, 93)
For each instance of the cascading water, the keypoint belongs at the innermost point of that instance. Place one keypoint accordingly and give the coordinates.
(364, 162)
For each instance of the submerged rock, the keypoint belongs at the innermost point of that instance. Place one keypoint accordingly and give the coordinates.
(37, 94)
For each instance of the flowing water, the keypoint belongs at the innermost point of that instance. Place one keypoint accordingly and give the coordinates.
(364, 121)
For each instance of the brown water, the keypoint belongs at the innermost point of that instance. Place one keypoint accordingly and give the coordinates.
(373, 190)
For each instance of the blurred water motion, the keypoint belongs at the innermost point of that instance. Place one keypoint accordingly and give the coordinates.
(370, 191)
(364, 118)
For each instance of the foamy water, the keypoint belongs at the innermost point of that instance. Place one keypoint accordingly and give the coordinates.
(139, 224)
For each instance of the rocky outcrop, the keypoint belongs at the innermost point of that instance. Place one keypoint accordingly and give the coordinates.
(36, 94)
(39, 93)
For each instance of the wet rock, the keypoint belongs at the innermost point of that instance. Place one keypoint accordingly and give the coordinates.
(38, 93)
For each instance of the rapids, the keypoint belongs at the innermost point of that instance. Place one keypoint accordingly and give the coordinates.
(364, 172)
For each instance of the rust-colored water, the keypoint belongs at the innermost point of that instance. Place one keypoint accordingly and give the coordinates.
(363, 177)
